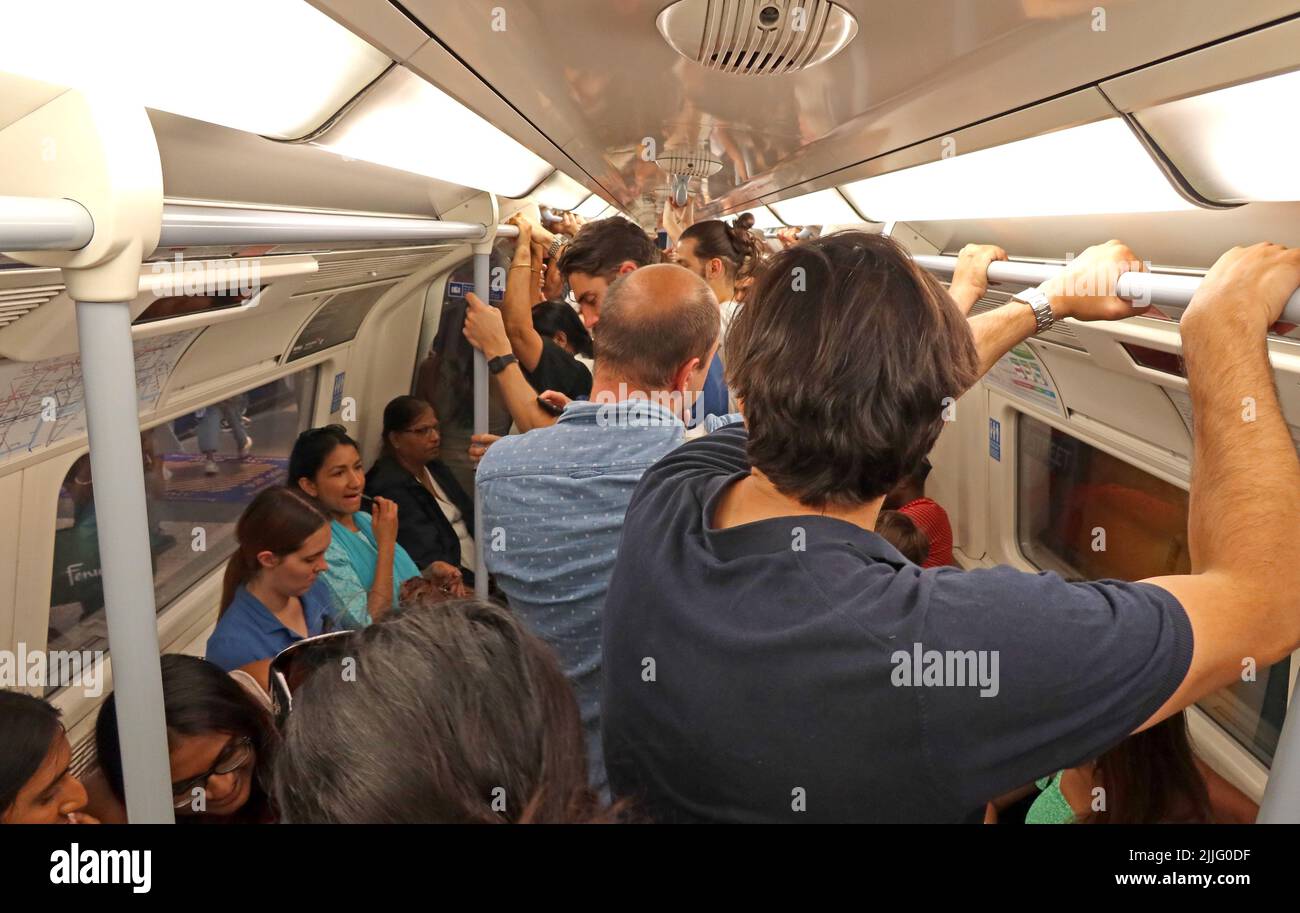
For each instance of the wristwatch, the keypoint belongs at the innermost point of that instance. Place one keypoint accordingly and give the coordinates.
(1041, 305)
(556, 244)
(501, 362)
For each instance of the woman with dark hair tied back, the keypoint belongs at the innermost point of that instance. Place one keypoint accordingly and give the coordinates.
(458, 714)
(367, 567)
(36, 781)
(723, 255)
(273, 594)
(558, 322)
(437, 515)
(220, 741)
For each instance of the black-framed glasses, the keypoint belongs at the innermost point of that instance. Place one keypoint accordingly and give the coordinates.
(295, 664)
(239, 753)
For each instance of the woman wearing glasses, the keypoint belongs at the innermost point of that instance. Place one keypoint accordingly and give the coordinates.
(36, 781)
(437, 516)
(220, 739)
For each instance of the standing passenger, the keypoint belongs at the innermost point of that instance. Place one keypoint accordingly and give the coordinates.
(272, 594)
(816, 677)
(366, 565)
(722, 255)
(558, 493)
(908, 498)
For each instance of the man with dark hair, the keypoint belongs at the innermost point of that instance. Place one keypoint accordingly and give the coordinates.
(554, 498)
(769, 658)
(602, 251)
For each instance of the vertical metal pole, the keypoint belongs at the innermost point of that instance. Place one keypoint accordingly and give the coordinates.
(117, 469)
(1281, 802)
(483, 288)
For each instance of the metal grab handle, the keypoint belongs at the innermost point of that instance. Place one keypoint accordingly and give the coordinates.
(1143, 288)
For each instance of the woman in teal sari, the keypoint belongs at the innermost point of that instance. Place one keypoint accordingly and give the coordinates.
(369, 572)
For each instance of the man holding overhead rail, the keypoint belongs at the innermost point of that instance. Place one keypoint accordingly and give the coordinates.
(769, 658)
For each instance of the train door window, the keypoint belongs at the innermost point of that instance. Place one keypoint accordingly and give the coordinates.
(1088, 515)
(446, 375)
(200, 470)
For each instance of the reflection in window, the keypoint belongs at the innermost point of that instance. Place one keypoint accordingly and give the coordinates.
(184, 305)
(446, 376)
(200, 471)
(1068, 493)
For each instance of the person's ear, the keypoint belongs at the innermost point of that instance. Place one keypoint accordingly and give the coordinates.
(683, 375)
(268, 559)
(308, 487)
(716, 268)
(561, 339)
(627, 266)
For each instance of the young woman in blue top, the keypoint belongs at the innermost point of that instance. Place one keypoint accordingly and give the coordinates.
(367, 567)
(273, 594)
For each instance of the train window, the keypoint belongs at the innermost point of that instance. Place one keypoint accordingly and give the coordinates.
(200, 472)
(1088, 515)
(446, 375)
(184, 305)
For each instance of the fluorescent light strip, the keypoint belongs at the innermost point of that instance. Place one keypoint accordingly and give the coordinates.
(407, 123)
(592, 207)
(276, 67)
(1237, 144)
(561, 192)
(1094, 169)
(824, 207)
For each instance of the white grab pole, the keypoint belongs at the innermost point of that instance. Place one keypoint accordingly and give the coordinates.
(1141, 288)
(43, 223)
(117, 471)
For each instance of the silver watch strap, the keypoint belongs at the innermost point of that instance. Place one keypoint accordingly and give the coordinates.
(1040, 304)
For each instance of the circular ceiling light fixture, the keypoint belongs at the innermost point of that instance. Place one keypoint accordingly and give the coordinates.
(757, 37)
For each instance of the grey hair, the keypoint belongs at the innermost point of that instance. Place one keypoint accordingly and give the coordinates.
(447, 713)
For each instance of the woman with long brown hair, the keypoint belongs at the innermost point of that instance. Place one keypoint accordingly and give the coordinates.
(457, 714)
(273, 594)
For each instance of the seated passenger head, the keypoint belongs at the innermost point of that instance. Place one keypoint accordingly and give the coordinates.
(36, 783)
(219, 742)
(457, 714)
(658, 333)
(411, 433)
(719, 253)
(325, 464)
(557, 321)
(843, 361)
(603, 251)
(282, 538)
(901, 531)
(1152, 778)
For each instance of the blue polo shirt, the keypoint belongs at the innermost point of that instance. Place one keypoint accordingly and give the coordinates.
(553, 505)
(248, 632)
(800, 669)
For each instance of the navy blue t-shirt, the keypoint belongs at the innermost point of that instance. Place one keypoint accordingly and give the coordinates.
(801, 669)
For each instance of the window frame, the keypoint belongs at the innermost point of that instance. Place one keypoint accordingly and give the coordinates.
(190, 613)
(1212, 741)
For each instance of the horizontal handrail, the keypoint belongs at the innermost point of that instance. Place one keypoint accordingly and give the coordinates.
(43, 223)
(1139, 287)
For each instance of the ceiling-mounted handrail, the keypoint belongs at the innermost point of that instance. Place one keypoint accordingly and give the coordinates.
(186, 225)
(44, 223)
(1142, 288)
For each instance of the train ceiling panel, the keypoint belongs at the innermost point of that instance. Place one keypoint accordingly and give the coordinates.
(600, 81)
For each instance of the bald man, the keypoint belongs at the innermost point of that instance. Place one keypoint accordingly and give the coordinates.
(554, 498)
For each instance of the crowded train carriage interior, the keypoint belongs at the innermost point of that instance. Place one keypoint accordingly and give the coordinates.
(677, 378)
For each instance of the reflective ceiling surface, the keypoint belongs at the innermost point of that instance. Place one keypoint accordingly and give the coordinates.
(598, 80)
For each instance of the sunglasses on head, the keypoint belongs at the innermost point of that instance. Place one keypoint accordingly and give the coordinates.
(297, 662)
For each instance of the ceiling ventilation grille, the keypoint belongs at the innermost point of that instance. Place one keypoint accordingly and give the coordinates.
(757, 37)
(19, 302)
